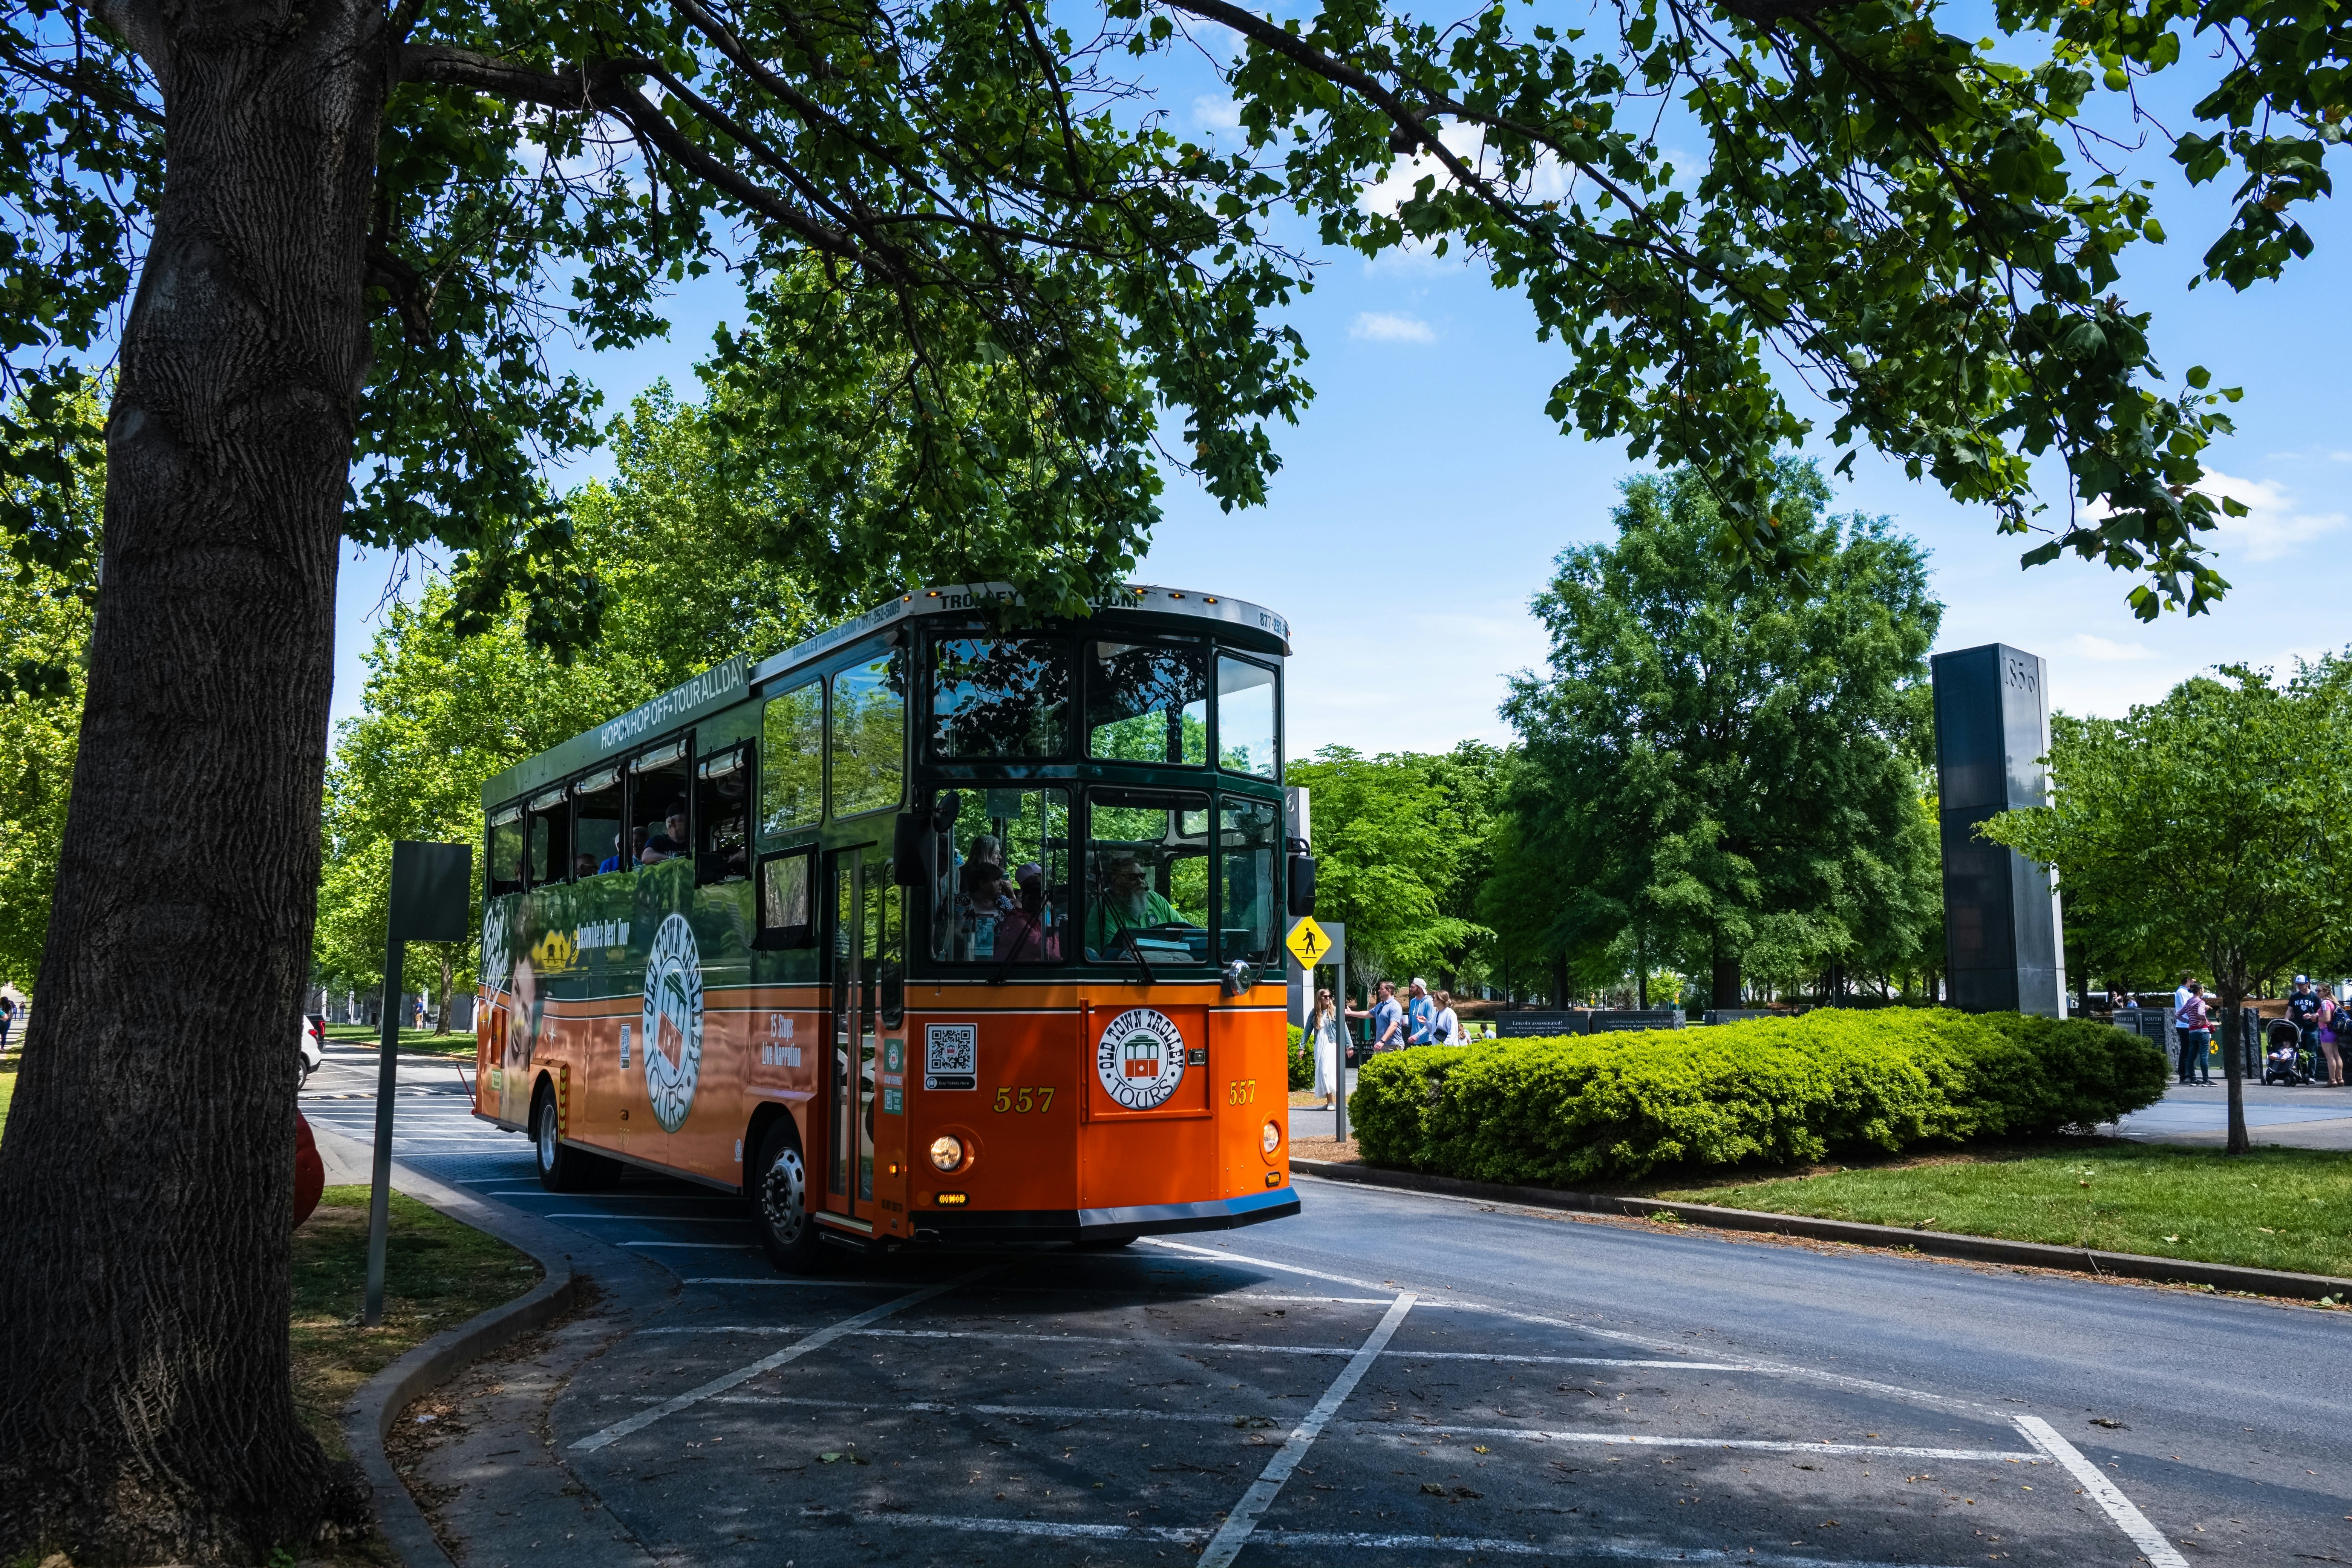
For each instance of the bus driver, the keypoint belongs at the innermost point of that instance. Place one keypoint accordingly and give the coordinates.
(1126, 902)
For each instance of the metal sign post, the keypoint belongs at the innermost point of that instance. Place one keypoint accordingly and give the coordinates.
(429, 883)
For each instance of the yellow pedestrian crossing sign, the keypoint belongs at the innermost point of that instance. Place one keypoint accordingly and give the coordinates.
(1307, 942)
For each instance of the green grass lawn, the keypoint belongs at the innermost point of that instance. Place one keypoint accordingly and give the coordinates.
(2273, 1208)
(458, 1043)
(437, 1273)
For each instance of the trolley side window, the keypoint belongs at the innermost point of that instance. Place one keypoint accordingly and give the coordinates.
(659, 785)
(506, 851)
(1247, 714)
(792, 760)
(868, 735)
(1147, 876)
(1250, 898)
(1148, 702)
(1001, 887)
(722, 812)
(596, 823)
(1000, 697)
(548, 833)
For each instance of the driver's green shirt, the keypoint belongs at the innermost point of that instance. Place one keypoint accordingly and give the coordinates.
(1103, 930)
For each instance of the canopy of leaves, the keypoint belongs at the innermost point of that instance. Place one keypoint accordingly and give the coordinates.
(1400, 847)
(1728, 769)
(685, 588)
(2212, 824)
(46, 603)
(983, 204)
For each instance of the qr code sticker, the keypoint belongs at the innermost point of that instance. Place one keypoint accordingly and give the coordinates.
(952, 1049)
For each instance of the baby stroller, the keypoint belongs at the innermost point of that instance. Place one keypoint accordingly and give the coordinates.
(2282, 1061)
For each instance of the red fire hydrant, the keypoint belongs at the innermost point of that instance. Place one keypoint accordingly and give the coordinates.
(310, 1171)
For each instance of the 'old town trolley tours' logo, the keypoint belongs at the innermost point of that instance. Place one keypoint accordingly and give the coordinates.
(1140, 1060)
(672, 1022)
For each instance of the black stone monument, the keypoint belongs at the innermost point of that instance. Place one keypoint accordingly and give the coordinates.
(2002, 943)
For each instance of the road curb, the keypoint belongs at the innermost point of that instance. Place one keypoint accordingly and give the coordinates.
(369, 1418)
(1941, 1243)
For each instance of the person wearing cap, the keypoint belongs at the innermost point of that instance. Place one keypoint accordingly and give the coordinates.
(2304, 1009)
(1423, 1013)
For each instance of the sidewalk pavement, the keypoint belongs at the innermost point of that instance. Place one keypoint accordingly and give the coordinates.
(2312, 1116)
(477, 1454)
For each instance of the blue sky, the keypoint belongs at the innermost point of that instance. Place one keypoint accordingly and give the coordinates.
(1424, 497)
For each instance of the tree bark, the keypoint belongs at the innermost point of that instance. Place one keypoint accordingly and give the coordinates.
(441, 1023)
(1723, 986)
(147, 1414)
(2233, 1067)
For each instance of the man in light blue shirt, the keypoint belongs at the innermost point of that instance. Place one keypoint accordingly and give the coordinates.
(1388, 1020)
(1423, 1013)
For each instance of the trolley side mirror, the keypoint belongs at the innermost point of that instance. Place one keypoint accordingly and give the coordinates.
(1302, 885)
(908, 831)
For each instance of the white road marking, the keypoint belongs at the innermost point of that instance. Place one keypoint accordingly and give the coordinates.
(1113, 1341)
(934, 1407)
(743, 1374)
(661, 1218)
(2128, 1519)
(1565, 1547)
(1242, 1522)
(697, 1246)
(775, 1280)
(1531, 1435)
(1777, 1369)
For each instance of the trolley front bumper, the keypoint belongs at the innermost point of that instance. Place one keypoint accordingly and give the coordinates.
(1104, 1225)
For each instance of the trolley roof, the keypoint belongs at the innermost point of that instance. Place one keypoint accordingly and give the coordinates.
(731, 681)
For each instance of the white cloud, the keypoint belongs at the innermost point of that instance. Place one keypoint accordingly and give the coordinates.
(2101, 650)
(1383, 327)
(1211, 112)
(2274, 524)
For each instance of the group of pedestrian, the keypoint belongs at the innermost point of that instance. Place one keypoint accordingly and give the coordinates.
(2312, 1011)
(1422, 1017)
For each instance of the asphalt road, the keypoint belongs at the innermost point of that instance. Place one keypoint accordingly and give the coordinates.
(1392, 1377)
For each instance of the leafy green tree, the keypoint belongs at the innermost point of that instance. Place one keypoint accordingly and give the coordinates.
(685, 587)
(1719, 765)
(1392, 833)
(355, 225)
(2210, 823)
(46, 607)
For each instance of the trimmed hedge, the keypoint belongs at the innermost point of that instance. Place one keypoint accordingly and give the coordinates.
(1581, 1109)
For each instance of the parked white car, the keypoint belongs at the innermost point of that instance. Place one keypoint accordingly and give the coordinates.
(312, 1045)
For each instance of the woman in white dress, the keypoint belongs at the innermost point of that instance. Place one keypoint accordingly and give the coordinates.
(1324, 1032)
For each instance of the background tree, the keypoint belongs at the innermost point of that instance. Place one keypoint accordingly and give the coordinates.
(1723, 766)
(686, 586)
(355, 224)
(2205, 822)
(1396, 838)
(47, 598)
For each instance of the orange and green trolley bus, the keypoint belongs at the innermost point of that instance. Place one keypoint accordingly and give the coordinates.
(935, 928)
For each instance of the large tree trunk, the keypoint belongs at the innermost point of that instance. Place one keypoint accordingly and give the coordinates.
(1723, 986)
(441, 1024)
(146, 1414)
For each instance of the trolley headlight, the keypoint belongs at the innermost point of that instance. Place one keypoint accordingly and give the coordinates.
(947, 1152)
(1271, 1138)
